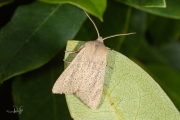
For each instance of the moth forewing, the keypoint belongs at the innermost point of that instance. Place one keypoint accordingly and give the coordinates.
(67, 82)
(85, 74)
(90, 90)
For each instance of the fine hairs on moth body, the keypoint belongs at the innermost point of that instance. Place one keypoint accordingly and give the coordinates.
(84, 76)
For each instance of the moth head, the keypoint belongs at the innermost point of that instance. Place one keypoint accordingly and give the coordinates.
(100, 39)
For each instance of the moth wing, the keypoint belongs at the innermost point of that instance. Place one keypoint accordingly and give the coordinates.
(69, 81)
(90, 91)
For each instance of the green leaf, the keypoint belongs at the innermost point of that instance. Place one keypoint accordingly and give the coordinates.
(145, 3)
(150, 54)
(172, 52)
(137, 23)
(130, 93)
(167, 30)
(33, 91)
(168, 54)
(171, 11)
(95, 7)
(36, 33)
(168, 79)
(5, 2)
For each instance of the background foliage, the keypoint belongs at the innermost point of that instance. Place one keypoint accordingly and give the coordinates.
(33, 36)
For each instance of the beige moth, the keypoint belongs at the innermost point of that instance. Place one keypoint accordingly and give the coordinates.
(84, 76)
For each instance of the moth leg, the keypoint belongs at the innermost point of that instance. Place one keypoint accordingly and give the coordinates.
(106, 84)
(108, 48)
(76, 51)
(109, 67)
(66, 61)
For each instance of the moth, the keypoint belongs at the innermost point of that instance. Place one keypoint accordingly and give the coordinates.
(85, 74)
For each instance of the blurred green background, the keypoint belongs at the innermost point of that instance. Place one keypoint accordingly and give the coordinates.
(33, 36)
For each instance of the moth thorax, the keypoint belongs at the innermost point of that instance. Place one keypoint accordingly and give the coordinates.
(100, 39)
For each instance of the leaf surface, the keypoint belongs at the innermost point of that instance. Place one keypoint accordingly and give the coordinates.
(171, 10)
(172, 52)
(129, 93)
(33, 91)
(168, 79)
(166, 32)
(145, 3)
(35, 34)
(95, 7)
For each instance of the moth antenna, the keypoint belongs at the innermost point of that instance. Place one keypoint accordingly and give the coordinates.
(117, 35)
(93, 24)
